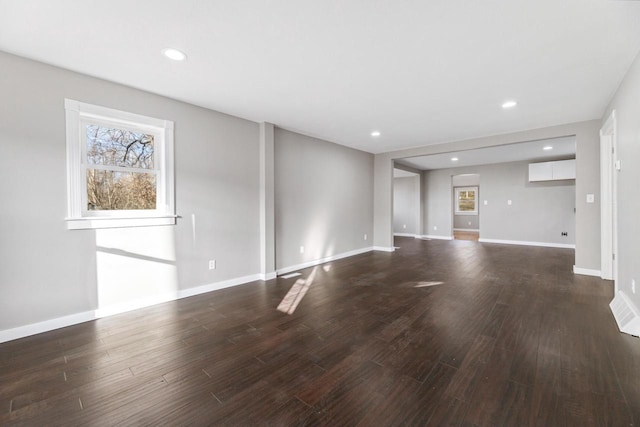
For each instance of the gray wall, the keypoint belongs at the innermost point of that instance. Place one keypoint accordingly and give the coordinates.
(539, 212)
(323, 198)
(466, 180)
(587, 182)
(437, 203)
(406, 205)
(468, 222)
(627, 106)
(47, 271)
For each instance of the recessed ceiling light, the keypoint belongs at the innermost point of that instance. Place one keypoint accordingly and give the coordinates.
(174, 54)
(375, 133)
(509, 104)
(454, 159)
(548, 147)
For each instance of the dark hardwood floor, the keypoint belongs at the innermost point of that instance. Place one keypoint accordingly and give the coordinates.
(510, 337)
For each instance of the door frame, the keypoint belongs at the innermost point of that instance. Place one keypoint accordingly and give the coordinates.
(608, 202)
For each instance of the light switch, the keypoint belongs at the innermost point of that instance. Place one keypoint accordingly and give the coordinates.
(486, 202)
(509, 202)
(591, 198)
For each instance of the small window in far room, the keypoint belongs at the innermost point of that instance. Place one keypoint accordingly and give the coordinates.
(466, 200)
(119, 168)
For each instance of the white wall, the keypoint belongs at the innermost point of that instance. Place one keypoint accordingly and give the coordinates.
(47, 271)
(626, 104)
(539, 211)
(323, 199)
(406, 205)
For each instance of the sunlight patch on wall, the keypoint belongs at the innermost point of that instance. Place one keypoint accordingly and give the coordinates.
(316, 239)
(136, 267)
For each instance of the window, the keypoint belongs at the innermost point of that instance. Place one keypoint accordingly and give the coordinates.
(466, 200)
(119, 168)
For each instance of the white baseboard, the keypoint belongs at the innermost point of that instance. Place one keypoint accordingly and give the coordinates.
(268, 276)
(285, 270)
(467, 229)
(405, 235)
(45, 326)
(184, 293)
(384, 248)
(524, 243)
(74, 319)
(429, 236)
(586, 271)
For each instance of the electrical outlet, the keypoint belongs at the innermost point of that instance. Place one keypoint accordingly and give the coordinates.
(633, 285)
(301, 249)
(365, 237)
(486, 202)
(435, 227)
(212, 264)
(509, 202)
(469, 222)
(564, 233)
(404, 225)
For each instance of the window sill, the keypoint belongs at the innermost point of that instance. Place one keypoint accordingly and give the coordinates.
(94, 223)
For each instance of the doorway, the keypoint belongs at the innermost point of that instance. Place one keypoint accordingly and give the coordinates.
(466, 206)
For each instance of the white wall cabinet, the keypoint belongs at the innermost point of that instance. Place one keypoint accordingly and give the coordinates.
(540, 171)
(551, 171)
(565, 169)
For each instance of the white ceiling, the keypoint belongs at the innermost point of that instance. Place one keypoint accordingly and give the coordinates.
(420, 72)
(562, 148)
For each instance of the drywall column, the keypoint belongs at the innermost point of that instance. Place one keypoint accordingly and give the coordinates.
(383, 203)
(267, 207)
(422, 221)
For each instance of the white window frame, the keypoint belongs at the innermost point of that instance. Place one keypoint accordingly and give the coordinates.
(457, 198)
(80, 114)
